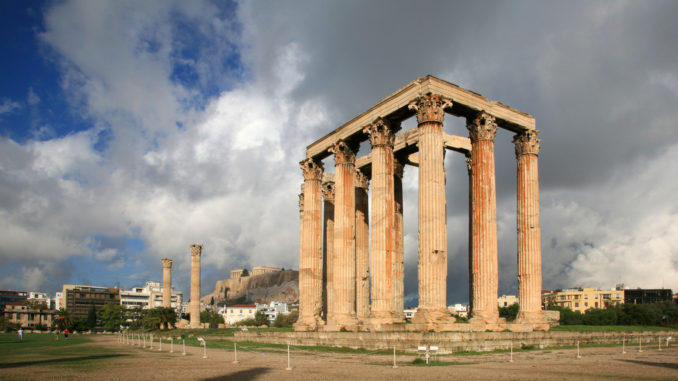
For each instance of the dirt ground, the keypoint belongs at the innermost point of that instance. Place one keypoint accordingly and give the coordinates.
(144, 364)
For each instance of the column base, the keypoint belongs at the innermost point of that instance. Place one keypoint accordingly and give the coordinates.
(432, 319)
(534, 318)
(485, 320)
(342, 323)
(379, 321)
(308, 324)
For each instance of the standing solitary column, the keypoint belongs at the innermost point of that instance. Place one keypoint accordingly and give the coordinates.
(382, 242)
(484, 276)
(194, 307)
(362, 247)
(344, 272)
(432, 266)
(166, 282)
(529, 231)
(310, 253)
(399, 263)
(328, 245)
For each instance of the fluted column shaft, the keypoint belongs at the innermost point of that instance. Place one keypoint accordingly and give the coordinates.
(310, 254)
(328, 246)
(344, 270)
(399, 263)
(382, 239)
(194, 306)
(529, 230)
(483, 259)
(432, 210)
(166, 282)
(362, 247)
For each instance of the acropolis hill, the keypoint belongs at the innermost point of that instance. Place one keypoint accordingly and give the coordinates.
(279, 286)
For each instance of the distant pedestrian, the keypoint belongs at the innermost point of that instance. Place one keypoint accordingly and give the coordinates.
(20, 332)
(66, 333)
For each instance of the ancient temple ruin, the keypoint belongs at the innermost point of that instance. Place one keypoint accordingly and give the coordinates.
(351, 259)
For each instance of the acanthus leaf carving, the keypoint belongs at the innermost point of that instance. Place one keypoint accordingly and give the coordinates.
(482, 127)
(328, 190)
(527, 143)
(430, 108)
(344, 152)
(381, 132)
(361, 180)
(312, 169)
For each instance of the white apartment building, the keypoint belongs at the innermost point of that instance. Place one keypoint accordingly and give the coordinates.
(272, 310)
(149, 296)
(40, 297)
(239, 312)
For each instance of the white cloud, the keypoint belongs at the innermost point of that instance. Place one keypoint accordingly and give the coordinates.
(8, 106)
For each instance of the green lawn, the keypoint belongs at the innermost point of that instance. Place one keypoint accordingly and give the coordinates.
(590, 328)
(43, 349)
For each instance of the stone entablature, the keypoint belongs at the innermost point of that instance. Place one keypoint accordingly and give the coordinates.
(333, 277)
(256, 270)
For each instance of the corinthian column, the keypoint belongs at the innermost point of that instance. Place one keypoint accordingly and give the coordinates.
(399, 252)
(166, 282)
(382, 242)
(310, 252)
(362, 247)
(344, 237)
(328, 245)
(529, 231)
(432, 267)
(483, 259)
(194, 307)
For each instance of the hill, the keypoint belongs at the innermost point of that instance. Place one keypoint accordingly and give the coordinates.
(280, 286)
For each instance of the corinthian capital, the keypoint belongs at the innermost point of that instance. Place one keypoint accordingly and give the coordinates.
(196, 250)
(527, 143)
(328, 190)
(430, 108)
(482, 127)
(398, 168)
(361, 180)
(344, 152)
(166, 263)
(312, 169)
(381, 132)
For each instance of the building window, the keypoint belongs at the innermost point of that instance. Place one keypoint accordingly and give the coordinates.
(586, 297)
(576, 305)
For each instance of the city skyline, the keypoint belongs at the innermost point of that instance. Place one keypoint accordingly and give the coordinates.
(129, 131)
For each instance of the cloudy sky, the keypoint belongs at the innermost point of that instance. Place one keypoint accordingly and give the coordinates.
(130, 130)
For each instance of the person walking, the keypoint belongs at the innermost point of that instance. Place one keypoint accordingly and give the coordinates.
(66, 333)
(20, 332)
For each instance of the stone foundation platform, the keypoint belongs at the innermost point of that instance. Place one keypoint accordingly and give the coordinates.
(450, 342)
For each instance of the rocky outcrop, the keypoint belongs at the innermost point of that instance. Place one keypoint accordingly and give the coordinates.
(280, 286)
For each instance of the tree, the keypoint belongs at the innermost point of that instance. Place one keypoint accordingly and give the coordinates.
(226, 290)
(567, 316)
(211, 317)
(245, 273)
(63, 320)
(212, 301)
(510, 312)
(91, 318)
(111, 316)
(158, 317)
(597, 316)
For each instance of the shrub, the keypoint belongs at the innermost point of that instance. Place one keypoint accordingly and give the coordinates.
(510, 312)
(597, 316)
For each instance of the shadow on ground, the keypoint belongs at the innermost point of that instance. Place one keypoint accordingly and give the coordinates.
(659, 364)
(249, 374)
(58, 361)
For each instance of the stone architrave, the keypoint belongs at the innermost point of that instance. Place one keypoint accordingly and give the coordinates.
(483, 259)
(399, 252)
(344, 271)
(310, 253)
(194, 306)
(362, 247)
(382, 243)
(166, 282)
(529, 230)
(432, 268)
(328, 245)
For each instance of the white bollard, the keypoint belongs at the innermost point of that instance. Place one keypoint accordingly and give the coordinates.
(288, 358)
(640, 345)
(578, 356)
(623, 346)
(144, 341)
(160, 340)
(511, 360)
(183, 345)
(394, 358)
(139, 340)
(235, 353)
(151, 338)
(204, 346)
(172, 345)
(659, 343)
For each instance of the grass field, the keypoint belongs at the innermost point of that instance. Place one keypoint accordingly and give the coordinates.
(44, 349)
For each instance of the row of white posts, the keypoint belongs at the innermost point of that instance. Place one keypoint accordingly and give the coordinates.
(128, 339)
(425, 349)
